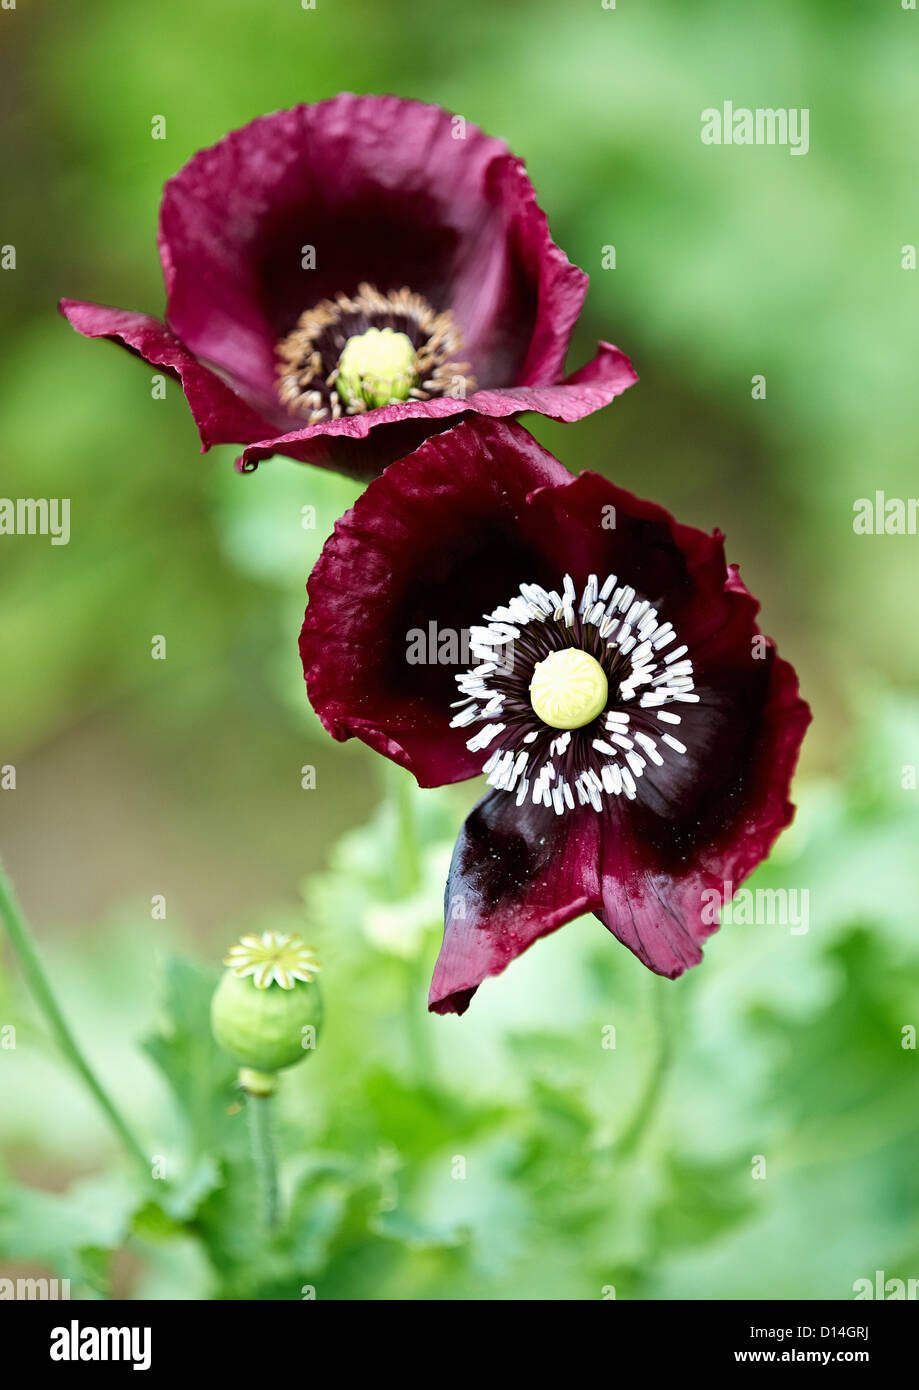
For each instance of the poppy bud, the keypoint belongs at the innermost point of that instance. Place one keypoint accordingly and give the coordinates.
(267, 1008)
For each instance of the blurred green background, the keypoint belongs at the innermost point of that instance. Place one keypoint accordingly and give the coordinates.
(586, 1167)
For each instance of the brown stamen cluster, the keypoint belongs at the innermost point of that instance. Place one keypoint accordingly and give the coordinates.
(310, 354)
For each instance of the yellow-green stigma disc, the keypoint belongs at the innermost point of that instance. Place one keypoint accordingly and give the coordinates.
(569, 689)
(376, 367)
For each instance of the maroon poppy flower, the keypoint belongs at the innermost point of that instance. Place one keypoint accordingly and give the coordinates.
(638, 733)
(347, 278)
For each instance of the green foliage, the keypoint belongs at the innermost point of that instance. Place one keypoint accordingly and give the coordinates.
(515, 1153)
(72, 1233)
(197, 1072)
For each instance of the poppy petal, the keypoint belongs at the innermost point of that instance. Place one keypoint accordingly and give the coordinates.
(222, 417)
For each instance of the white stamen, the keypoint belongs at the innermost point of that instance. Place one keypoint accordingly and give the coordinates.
(485, 737)
(589, 596)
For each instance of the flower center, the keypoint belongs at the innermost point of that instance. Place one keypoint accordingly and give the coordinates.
(576, 697)
(355, 353)
(376, 367)
(569, 689)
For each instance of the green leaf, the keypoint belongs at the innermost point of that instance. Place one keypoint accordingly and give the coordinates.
(199, 1074)
(75, 1232)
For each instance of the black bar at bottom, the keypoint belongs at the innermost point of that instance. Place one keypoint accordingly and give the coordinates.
(291, 1341)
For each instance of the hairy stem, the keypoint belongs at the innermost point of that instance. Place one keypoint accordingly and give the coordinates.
(261, 1135)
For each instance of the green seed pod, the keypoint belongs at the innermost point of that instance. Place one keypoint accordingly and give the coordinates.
(267, 1009)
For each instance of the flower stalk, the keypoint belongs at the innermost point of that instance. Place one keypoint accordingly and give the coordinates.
(23, 942)
(636, 1126)
(260, 1110)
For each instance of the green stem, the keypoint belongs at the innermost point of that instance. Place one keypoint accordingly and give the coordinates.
(407, 859)
(634, 1130)
(20, 935)
(261, 1135)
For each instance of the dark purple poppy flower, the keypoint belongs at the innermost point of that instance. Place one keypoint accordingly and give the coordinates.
(638, 732)
(347, 278)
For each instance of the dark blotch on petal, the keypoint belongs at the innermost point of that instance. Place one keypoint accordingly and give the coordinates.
(517, 874)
